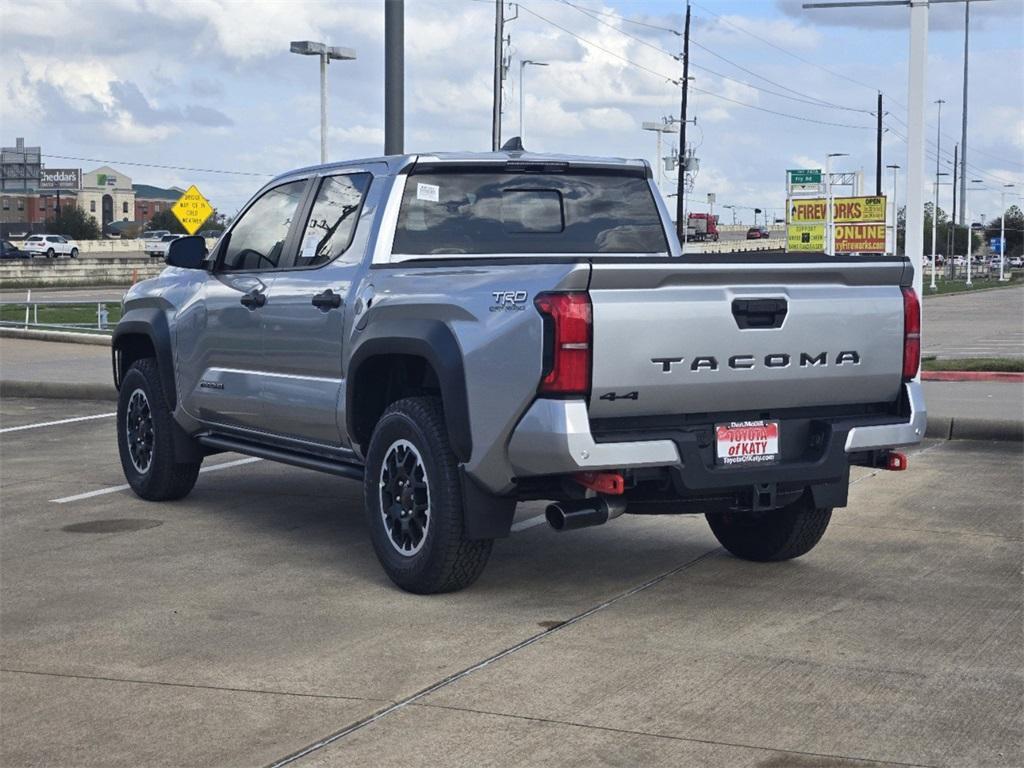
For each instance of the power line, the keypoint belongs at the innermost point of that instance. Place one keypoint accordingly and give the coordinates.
(813, 101)
(155, 165)
(623, 18)
(675, 81)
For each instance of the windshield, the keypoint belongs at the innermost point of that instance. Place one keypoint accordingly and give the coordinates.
(492, 211)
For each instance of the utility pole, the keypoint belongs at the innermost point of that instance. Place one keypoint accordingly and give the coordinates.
(499, 54)
(963, 126)
(935, 205)
(878, 150)
(681, 184)
(394, 77)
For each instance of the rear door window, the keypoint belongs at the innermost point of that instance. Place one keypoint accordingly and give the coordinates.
(332, 221)
(493, 211)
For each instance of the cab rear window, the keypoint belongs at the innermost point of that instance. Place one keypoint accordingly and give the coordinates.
(493, 211)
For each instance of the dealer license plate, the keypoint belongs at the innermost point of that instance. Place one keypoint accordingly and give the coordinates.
(747, 442)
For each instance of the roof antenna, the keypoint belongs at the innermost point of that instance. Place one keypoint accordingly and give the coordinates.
(515, 144)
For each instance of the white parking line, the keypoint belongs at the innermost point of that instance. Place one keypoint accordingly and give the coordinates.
(116, 488)
(55, 423)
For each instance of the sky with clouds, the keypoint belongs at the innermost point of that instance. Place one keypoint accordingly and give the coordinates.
(210, 84)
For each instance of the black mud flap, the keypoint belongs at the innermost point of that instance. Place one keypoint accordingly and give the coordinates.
(486, 516)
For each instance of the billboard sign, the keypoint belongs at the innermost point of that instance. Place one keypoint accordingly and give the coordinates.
(805, 238)
(845, 210)
(60, 178)
(860, 238)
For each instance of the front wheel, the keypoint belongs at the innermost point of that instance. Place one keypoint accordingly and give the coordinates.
(74, 253)
(145, 438)
(414, 502)
(781, 534)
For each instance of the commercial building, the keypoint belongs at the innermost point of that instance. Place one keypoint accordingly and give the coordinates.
(31, 195)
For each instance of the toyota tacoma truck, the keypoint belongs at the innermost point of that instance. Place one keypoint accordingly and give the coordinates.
(464, 332)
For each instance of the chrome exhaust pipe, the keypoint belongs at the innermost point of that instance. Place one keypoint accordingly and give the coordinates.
(583, 513)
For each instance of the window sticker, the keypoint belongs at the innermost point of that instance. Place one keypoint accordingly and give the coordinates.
(429, 192)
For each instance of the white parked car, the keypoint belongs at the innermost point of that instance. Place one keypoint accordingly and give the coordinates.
(159, 247)
(50, 246)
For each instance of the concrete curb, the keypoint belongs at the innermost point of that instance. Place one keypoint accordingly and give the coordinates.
(72, 337)
(58, 390)
(1007, 376)
(1013, 284)
(970, 428)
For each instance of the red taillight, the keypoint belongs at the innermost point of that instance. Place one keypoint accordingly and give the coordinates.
(567, 324)
(911, 333)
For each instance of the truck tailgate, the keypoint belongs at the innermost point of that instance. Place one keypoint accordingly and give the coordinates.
(678, 337)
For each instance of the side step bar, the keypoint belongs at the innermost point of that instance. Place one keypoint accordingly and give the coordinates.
(353, 471)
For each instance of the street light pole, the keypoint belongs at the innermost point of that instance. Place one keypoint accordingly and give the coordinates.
(830, 242)
(665, 126)
(935, 227)
(326, 53)
(970, 231)
(895, 214)
(1002, 232)
(522, 89)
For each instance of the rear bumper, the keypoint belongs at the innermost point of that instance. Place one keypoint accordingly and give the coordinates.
(909, 432)
(554, 438)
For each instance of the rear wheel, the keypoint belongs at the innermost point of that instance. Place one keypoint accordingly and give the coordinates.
(50, 253)
(414, 502)
(145, 438)
(781, 534)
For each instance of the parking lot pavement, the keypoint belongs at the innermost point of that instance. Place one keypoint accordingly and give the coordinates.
(251, 621)
(981, 324)
(54, 362)
(992, 400)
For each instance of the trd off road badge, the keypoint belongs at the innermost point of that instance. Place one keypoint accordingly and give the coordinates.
(509, 301)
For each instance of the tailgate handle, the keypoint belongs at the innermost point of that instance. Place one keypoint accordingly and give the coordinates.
(759, 313)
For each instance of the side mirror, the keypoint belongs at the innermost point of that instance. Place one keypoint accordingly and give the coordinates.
(186, 252)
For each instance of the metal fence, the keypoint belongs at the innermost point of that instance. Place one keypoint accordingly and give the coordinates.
(87, 315)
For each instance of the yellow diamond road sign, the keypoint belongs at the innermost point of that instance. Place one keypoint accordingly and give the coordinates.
(192, 209)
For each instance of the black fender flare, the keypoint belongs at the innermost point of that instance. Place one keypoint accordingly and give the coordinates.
(150, 322)
(433, 341)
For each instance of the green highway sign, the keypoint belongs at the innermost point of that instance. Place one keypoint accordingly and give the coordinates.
(805, 176)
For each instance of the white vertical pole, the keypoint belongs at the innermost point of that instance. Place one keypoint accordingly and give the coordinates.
(829, 242)
(323, 107)
(935, 209)
(970, 240)
(914, 237)
(660, 163)
(28, 298)
(1002, 236)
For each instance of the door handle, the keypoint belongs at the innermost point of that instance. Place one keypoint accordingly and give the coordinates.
(253, 299)
(327, 300)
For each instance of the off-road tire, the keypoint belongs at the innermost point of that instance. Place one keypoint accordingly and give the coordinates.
(163, 479)
(446, 560)
(780, 534)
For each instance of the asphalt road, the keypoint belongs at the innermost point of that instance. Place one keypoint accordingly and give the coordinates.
(250, 622)
(978, 324)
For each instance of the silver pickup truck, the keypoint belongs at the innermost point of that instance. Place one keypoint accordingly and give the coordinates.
(462, 332)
